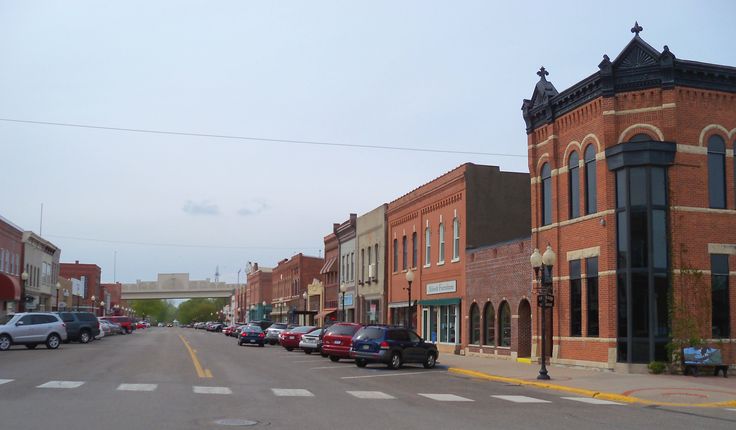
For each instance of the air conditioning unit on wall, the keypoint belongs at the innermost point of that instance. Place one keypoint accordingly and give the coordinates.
(371, 271)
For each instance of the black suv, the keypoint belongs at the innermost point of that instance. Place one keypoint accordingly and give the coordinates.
(393, 346)
(80, 326)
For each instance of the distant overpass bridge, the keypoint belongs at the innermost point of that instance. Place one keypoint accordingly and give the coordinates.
(176, 286)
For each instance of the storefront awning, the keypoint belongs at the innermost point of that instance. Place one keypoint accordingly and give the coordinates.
(9, 288)
(440, 302)
(325, 312)
(328, 266)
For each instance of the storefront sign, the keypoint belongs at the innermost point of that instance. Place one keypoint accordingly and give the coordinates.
(442, 287)
(78, 287)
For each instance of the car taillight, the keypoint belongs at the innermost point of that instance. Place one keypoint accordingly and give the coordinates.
(384, 345)
(261, 335)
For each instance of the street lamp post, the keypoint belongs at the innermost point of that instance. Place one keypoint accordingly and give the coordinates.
(343, 289)
(24, 277)
(102, 304)
(94, 304)
(545, 296)
(264, 309)
(409, 280)
(304, 296)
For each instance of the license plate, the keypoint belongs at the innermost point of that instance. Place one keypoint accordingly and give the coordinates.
(291, 337)
(337, 342)
(366, 347)
(252, 341)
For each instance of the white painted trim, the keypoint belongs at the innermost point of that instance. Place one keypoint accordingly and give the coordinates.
(649, 127)
(722, 248)
(703, 210)
(579, 254)
(640, 110)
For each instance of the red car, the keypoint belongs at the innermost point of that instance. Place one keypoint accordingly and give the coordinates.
(338, 339)
(126, 323)
(290, 339)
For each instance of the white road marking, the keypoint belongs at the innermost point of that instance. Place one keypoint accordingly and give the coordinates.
(289, 392)
(5, 381)
(61, 384)
(211, 390)
(731, 409)
(327, 367)
(307, 361)
(137, 387)
(521, 399)
(388, 374)
(446, 397)
(370, 395)
(592, 401)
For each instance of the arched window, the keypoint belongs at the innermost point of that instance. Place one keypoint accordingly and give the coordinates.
(641, 137)
(546, 195)
(591, 205)
(489, 321)
(427, 247)
(574, 188)
(455, 239)
(474, 324)
(717, 172)
(441, 243)
(504, 324)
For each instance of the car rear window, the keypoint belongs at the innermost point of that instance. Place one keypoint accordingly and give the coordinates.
(342, 330)
(85, 316)
(305, 329)
(278, 326)
(369, 333)
(400, 335)
(252, 329)
(66, 317)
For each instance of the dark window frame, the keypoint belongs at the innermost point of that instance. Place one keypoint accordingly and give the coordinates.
(504, 323)
(592, 301)
(573, 185)
(717, 172)
(475, 330)
(576, 299)
(546, 194)
(591, 182)
(720, 297)
(489, 325)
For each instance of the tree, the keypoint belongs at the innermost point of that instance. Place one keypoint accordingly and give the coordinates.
(199, 310)
(154, 310)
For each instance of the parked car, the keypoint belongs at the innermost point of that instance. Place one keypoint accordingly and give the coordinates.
(114, 328)
(127, 323)
(312, 341)
(252, 335)
(392, 346)
(263, 324)
(140, 325)
(290, 338)
(31, 329)
(215, 327)
(338, 339)
(273, 331)
(80, 326)
(105, 330)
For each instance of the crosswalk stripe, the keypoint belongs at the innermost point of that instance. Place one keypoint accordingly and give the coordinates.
(592, 401)
(370, 395)
(61, 384)
(137, 387)
(290, 392)
(446, 397)
(211, 390)
(5, 381)
(521, 399)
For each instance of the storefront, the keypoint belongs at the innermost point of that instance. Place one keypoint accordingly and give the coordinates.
(399, 311)
(441, 316)
(371, 310)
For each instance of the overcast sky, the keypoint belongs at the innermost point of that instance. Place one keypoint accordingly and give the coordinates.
(419, 74)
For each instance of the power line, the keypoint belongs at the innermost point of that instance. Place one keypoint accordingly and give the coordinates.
(174, 245)
(260, 139)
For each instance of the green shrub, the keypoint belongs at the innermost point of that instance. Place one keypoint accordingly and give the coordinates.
(657, 367)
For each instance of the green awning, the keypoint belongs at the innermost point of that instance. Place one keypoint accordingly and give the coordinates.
(440, 302)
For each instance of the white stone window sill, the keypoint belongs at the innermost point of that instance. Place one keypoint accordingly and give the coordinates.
(455, 260)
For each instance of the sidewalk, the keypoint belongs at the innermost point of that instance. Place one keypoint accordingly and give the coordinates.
(663, 390)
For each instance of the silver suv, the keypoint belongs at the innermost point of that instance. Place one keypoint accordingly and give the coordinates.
(31, 329)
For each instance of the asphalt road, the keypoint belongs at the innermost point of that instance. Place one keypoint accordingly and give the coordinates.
(153, 380)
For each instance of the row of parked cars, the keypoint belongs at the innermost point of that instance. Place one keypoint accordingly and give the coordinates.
(365, 344)
(54, 328)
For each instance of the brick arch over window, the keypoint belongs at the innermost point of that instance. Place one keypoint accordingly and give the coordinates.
(591, 138)
(712, 129)
(544, 158)
(504, 324)
(640, 128)
(571, 147)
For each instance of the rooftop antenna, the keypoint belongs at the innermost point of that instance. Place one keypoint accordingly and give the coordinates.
(217, 274)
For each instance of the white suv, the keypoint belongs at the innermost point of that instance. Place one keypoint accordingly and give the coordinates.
(31, 329)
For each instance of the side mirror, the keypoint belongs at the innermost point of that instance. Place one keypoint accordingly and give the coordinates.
(19, 323)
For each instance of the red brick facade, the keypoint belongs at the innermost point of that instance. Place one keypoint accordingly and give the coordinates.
(289, 282)
(669, 118)
(11, 254)
(92, 273)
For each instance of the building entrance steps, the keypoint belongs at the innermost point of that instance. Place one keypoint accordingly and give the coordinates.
(647, 389)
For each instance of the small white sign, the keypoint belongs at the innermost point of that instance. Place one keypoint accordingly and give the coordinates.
(442, 287)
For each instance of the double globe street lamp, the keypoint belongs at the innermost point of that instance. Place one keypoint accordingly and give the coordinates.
(545, 295)
(343, 290)
(409, 280)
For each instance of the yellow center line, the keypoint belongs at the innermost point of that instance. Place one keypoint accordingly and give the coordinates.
(201, 372)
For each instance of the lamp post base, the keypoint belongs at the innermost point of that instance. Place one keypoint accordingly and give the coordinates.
(543, 375)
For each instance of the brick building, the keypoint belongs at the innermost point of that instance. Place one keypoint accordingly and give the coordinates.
(633, 188)
(11, 252)
(258, 293)
(289, 285)
(41, 264)
(371, 266)
(111, 295)
(429, 230)
(323, 296)
(89, 275)
(498, 289)
(345, 233)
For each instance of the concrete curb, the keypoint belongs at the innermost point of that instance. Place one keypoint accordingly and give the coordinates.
(584, 392)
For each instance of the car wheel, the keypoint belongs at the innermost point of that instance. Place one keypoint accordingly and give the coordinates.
(31, 346)
(395, 362)
(334, 358)
(361, 362)
(289, 349)
(323, 354)
(5, 342)
(240, 343)
(84, 336)
(53, 341)
(430, 361)
(308, 351)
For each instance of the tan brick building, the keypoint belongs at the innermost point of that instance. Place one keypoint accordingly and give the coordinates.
(633, 187)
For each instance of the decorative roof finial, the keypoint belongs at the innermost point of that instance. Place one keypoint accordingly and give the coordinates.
(637, 28)
(542, 72)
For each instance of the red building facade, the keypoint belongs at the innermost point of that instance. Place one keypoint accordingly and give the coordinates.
(633, 188)
(258, 294)
(289, 285)
(91, 274)
(11, 252)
